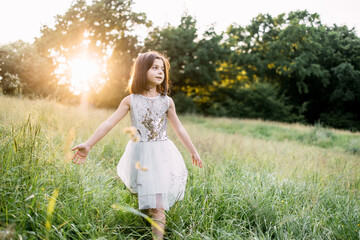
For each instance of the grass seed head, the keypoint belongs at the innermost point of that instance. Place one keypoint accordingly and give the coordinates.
(139, 167)
(132, 132)
(50, 209)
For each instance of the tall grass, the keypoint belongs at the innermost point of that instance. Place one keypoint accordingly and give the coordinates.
(261, 180)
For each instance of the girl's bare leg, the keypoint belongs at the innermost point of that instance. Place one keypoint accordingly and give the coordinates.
(158, 215)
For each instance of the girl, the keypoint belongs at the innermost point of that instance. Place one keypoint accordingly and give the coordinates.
(151, 167)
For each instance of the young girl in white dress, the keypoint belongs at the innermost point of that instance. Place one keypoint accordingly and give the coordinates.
(163, 181)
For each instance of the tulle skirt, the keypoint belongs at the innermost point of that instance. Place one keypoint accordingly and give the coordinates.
(155, 171)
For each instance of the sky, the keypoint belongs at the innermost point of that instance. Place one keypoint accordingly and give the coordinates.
(22, 19)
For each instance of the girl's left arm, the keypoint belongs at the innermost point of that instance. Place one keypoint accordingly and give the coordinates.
(182, 134)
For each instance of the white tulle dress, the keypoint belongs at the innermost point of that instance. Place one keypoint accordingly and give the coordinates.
(161, 180)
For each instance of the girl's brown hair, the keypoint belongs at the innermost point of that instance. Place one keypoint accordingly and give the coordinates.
(143, 63)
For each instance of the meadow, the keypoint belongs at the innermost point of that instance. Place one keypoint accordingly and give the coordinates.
(261, 180)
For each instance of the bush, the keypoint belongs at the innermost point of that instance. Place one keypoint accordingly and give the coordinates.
(184, 104)
(260, 100)
(342, 120)
(353, 146)
(321, 136)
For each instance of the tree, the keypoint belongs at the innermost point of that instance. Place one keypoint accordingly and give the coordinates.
(103, 31)
(24, 71)
(193, 62)
(304, 59)
(177, 43)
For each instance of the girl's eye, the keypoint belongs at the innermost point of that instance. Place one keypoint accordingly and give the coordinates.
(155, 68)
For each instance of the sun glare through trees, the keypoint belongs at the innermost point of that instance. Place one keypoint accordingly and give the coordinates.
(84, 72)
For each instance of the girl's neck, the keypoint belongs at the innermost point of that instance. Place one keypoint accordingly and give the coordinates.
(150, 92)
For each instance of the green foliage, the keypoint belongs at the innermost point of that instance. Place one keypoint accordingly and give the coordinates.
(177, 43)
(313, 70)
(347, 91)
(341, 119)
(259, 100)
(184, 104)
(107, 28)
(193, 62)
(109, 22)
(23, 70)
(10, 83)
(320, 136)
(313, 65)
(354, 146)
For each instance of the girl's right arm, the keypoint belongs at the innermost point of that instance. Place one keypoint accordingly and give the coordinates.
(84, 148)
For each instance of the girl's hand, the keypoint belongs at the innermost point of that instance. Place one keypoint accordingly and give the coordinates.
(81, 153)
(196, 160)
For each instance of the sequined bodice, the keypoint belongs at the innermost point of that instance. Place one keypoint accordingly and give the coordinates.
(148, 116)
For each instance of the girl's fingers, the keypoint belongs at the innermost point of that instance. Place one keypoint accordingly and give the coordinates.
(75, 156)
(81, 154)
(79, 161)
(76, 161)
(79, 158)
(197, 162)
(82, 160)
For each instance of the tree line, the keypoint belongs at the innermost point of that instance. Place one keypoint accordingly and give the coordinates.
(289, 68)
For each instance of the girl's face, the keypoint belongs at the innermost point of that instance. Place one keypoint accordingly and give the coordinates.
(155, 75)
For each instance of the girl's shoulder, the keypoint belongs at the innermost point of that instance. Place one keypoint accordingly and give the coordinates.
(171, 102)
(127, 100)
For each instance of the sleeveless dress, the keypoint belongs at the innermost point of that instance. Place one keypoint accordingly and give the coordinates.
(161, 180)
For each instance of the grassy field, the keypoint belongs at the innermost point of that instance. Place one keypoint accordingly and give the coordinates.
(261, 180)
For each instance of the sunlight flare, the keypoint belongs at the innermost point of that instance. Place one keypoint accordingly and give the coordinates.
(83, 73)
